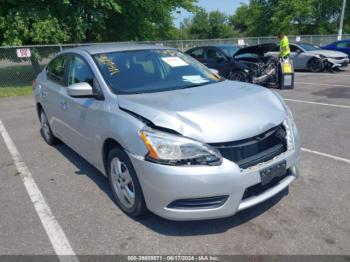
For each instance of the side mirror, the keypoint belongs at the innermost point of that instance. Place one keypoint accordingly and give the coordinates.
(299, 51)
(82, 90)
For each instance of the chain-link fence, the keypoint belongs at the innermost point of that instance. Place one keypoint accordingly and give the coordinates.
(18, 70)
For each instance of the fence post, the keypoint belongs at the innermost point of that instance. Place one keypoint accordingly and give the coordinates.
(60, 45)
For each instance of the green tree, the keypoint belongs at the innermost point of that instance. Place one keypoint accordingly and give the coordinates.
(266, 17)
(204, 25)
(25, 22)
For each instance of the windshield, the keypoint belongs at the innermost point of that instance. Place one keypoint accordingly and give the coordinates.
(143, 71)
(309, 47)
(229, 50)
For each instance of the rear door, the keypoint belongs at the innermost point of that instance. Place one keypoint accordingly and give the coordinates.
(52, 91)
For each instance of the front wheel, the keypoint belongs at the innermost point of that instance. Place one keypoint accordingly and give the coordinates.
(238, 76)
(124, 183)
(316, 65)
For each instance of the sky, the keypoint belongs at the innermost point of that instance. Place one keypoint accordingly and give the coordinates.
(226, 6)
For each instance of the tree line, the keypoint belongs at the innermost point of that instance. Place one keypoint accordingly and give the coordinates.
(73, 21)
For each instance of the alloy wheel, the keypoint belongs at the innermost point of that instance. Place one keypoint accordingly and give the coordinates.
(45, 126)
(122, 183)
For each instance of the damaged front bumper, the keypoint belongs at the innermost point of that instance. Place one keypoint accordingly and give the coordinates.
(265, 77)
(336, 63)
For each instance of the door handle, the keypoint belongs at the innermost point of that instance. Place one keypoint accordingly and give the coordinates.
(64, 105)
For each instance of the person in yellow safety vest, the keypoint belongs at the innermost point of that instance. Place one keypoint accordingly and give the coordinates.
(284, 45)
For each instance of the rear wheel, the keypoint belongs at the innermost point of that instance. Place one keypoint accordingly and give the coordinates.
(45, 130)
(316, 65)
(124, 183)
(238, 76)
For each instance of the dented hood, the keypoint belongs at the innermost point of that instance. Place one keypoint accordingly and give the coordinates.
(220, 112)
(256, 49)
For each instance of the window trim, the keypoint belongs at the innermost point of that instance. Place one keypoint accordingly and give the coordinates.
(48, 74)
(217, 50)
(96, 87)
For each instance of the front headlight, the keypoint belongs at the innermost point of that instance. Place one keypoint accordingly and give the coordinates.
(290, 128)
(171, 149)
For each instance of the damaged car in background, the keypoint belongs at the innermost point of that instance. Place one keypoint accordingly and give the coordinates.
(249, 64)
(312, 58)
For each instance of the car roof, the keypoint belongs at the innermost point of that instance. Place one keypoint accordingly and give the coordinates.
(106, 48)
(218, 46)
(225, 45)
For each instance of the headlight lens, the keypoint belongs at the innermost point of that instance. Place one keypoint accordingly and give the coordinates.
(172, 149)
(290, 128)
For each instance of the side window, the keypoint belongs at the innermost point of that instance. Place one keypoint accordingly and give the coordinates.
(294, 48)
(198, 53)
(79, 72)
(212, 53)
(342, 45)
(55, 70)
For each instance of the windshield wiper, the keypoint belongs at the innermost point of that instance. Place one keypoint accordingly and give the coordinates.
(194, 85)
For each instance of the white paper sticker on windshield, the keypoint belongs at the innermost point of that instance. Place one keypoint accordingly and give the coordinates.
(195, 79)
(174, 61)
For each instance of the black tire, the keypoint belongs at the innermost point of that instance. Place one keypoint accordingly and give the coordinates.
(316, 65)
(138, 207)
(238, 75)
(45, 129)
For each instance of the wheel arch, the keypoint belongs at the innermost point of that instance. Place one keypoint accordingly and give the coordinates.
(109, 144)
(39, 108)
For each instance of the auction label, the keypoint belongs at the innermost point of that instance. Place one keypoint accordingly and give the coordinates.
(174, 61)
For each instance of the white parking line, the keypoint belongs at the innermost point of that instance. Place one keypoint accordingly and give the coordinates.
(326, 155)
(317, 84)
(316, 103)
(321, 74)
(54, 231)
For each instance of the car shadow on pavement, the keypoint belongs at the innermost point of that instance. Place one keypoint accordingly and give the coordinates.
(164, 226)
(334, 92)
(85, 168)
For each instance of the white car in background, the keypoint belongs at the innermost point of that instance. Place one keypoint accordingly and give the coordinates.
(309, 57)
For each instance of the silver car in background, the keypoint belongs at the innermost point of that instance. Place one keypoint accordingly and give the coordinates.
(171, 136)
(310, 57)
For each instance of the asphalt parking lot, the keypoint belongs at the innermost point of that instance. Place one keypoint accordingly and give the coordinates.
(312, 217)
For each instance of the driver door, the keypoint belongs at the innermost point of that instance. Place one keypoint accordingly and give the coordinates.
(81, 114)
(297, 56)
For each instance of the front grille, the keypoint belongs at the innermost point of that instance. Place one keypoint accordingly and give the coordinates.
(252, 151)
(199, 203)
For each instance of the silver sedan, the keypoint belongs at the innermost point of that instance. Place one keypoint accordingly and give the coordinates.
(171, 136)
(309, 57)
